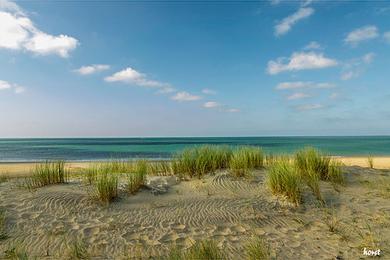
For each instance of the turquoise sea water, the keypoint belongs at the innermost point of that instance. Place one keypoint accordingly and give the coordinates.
(86, 149)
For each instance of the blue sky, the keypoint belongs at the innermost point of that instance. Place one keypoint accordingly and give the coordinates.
(194, 69)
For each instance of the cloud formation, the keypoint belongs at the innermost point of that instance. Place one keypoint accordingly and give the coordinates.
(286, 24)
(361, 34)
(386, 36)
(131, 76)
(211, 104)
(185, 96)
(18, 32)
(298, 95)
(5, 85)
(303, 85)
(91, 69)
(307, 107)
(355, 67)
(300, 61)
(313, 45)
(208, 91)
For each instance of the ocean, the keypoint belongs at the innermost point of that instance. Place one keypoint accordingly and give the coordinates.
(91, 149)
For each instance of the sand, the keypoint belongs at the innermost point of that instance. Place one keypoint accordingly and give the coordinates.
(47, 221)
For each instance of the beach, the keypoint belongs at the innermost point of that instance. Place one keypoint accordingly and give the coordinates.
(61, 221)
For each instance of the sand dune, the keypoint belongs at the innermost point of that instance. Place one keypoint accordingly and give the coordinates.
(48, 220)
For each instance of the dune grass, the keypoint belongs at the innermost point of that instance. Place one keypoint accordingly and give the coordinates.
(3, 233)
(257, 249)
(370, 162)
(245, 159)
(16, 252)
(283, 179)
(201, 160)
(313, 166)
(105, 187)
(136, 179)
(205, 250)
(78, 250)
(47, 173)
(161, 168)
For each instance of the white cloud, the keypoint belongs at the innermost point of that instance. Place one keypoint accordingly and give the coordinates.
(334, 95)
(208, 91)
(211, 104)
(166, 90)
(303, 85)
(185, 96)
(386, 35)
(86, 70)
(300, 61)
(309, 107)
(4, 85)
(286, 24)
(313, 46)
(298, 95)
(233, 110)
(355, 67)
(131, 76)
(361, 34)
(17, 32)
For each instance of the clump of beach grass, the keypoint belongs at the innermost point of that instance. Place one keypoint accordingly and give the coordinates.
(257, 249)
(284, 179)
(105, 187)
(331, 220)
(136, 179)
(47, 173)
(3, 233)
(4, 178)
(370, 162)
(313, 166)
(161, 168)
(201, 160)
(205, 250)
(245, 159)
(16, 252)
(78, 250)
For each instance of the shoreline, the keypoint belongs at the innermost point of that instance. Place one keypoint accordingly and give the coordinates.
(22, 169)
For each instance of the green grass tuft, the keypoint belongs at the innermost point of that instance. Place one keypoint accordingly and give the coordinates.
(205, 250)
(245, 159)
(257, 249)
(47, 173)
(161, 168)
(78, 250)
(136, 179)
(370, 162)
(201, 160)
(3, 233)
(105, 187)
(283, 179)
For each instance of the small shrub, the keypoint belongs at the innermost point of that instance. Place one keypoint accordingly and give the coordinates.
(246, 159)
(48, 173)
(106, 187)
(370, 162)
(257, 249)
(136, 179)
(283, 179)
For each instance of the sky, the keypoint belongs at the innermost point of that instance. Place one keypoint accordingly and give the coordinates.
(186, 68)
